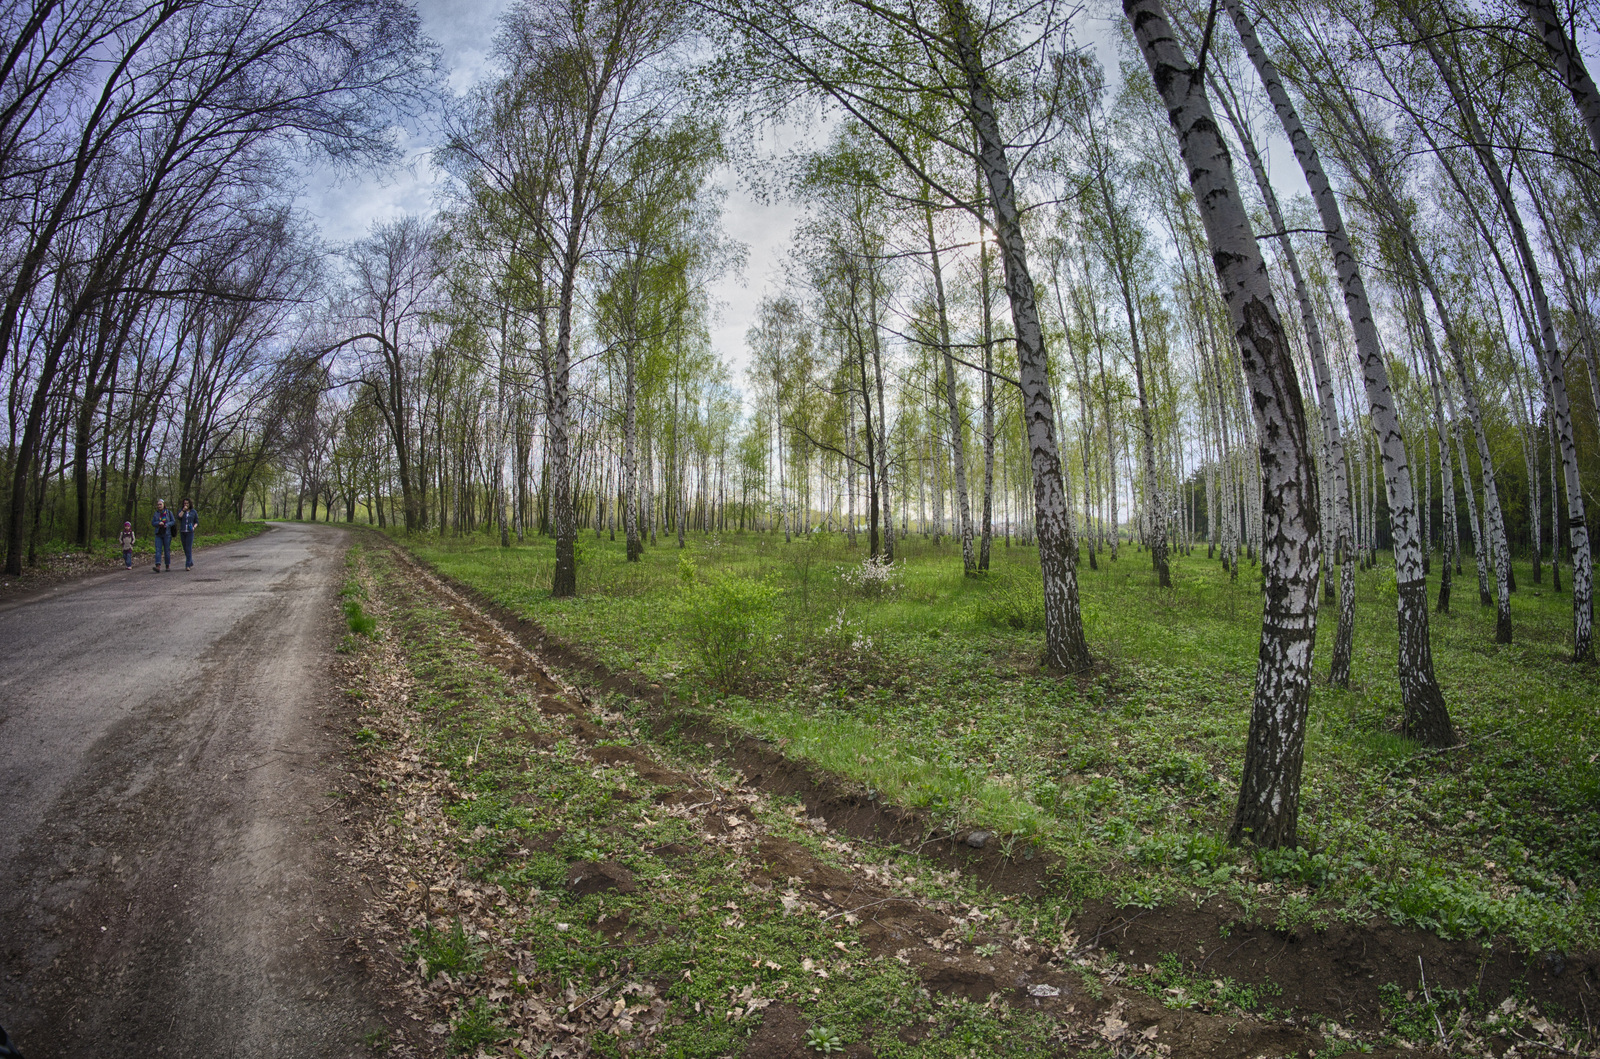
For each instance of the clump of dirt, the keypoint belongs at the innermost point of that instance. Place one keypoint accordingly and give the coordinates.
(595, 877)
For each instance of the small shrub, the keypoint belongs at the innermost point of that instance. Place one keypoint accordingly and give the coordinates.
(727, 622)
(361, 623)
(688, 569)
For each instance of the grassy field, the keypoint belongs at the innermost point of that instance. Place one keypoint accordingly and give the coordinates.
(924, 686)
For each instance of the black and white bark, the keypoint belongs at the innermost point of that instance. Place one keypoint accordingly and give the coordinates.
(1425, 716)
(1119, 255)
(1569, 65)
(958, 440)
(1065, 645)
(1269, 798)
(1547, 350)
(1327, 404)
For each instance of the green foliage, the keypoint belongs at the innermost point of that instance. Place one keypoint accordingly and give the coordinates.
(443, 952)
(688, 569)
(478, 1023)
(727, 622)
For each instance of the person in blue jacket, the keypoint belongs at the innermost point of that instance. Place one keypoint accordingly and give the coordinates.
(163, 523)
(188, 522)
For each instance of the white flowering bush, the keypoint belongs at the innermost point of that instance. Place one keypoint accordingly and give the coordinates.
(876, 576)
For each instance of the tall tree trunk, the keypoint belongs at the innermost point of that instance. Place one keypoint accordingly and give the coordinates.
(1065, 645)
(1548, 354)
(1269, 796)
(958, 442)
(1568, 61)
(1155, 524)
(1344, 549)
(1425, 716)
(630, 455)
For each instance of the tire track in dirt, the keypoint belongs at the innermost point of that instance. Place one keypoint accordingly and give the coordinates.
(1335, 973)
(1330, 975)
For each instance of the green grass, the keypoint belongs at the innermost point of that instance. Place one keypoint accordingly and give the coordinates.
(710, 937)
(360, 622)
(928, 691)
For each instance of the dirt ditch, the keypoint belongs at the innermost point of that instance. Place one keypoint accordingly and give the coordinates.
(1335, 973)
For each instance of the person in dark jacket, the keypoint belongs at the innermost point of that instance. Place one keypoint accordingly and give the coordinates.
(163, 523)
(188, 522)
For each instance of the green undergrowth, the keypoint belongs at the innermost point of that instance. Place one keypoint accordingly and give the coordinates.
(352, 596)
(924, 687)
(710, 936)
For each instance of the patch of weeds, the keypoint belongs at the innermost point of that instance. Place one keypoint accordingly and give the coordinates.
(365, 736)
(823, 1040)
(1297, 911)
(377, 1040)
(438, 952)
(361, 623)
(1425, 1016)
(1178, 988)
(478, 1023)
(1012, 602)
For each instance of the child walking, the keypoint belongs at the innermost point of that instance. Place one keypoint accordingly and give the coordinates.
(127, 540)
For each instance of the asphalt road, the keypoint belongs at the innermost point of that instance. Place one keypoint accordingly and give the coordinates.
(169, 886)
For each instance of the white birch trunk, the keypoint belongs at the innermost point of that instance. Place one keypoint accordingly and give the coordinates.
(1425, 716)
(1065, 646)
(1327, 404)
(1268, 807)
(1548, 354)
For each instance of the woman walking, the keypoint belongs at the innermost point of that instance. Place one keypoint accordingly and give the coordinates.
(162, 523)
(188, 522)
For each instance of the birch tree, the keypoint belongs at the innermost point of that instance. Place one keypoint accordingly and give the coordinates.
(1268, 808)
(1425, 716)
